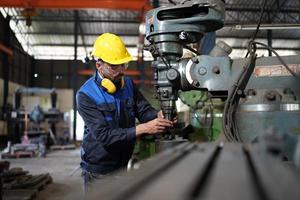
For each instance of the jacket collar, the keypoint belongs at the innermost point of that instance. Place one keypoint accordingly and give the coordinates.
(97, 77)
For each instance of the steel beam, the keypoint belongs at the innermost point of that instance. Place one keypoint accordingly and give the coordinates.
(243, 9)
(6, 49)
(269, 33)
(69, 45)
(246, 37)
(6, 63)
(71, 33)
(275, 48)
(74, 74)
(79, 4)
(62, 20)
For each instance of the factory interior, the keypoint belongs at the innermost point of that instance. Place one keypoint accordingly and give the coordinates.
(207, 105)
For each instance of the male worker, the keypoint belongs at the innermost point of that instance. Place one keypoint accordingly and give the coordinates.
(109, 103)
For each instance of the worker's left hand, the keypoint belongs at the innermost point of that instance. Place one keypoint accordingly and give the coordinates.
(161, 115)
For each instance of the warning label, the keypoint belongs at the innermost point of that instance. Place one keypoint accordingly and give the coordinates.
(276, 70)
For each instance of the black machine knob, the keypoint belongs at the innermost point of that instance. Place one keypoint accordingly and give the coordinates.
(174, 77)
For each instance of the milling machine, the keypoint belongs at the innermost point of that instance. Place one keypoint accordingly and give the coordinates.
(262, 103)
(262, 94)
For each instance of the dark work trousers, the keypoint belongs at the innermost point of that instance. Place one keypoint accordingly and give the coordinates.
(89, 178)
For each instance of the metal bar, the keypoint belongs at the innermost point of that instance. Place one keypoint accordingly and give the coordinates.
(64, 20)
(74, 71)
(239, 9)
(6, 67)
(275, 48)
(71, 33)
(71, 45)
(269, 33)
(258, 38)
(51, 73)
(82, 35)
(299, 11)
(79, 4)
(267, 26)
(32, 82)
(69, 74)
(6, 49)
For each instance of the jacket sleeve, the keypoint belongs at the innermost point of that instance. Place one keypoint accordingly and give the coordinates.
(97, 125)
(145, 112)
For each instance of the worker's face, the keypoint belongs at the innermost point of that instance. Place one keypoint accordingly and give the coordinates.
(112, 72)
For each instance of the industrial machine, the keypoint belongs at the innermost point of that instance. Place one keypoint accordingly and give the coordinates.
(260, 119)
(262, 94)
(28, 126)
(193, 171)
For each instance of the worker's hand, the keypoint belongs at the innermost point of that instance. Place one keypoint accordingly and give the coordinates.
(161, 115)
(155, 126)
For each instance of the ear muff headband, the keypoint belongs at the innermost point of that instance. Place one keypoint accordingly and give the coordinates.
(110, 86)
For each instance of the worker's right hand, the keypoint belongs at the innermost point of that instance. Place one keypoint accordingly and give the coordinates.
(155, 126)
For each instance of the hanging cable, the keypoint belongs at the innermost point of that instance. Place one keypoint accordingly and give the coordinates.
(235, 93)
(278, 57)
(258, 24)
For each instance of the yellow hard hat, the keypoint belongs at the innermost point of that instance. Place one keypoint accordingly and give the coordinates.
(111, 49)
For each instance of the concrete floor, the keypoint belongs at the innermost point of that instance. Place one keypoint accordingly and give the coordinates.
(63, 166)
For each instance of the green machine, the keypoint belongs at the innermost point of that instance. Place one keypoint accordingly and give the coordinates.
(205, 116)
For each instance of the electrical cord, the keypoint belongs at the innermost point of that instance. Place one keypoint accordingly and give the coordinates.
(278, 56)
(236, 92)
(258, 24)
(229, 127)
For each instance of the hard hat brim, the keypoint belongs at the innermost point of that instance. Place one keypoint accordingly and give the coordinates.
(118, 62)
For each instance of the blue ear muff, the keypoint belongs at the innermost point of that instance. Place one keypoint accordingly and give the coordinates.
(110, 87)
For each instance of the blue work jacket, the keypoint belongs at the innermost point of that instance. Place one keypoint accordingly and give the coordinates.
(109, 131)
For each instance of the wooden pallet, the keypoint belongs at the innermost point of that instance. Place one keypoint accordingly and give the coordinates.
(19, 154)
(27, 189)
(21, 194)
(63, 147)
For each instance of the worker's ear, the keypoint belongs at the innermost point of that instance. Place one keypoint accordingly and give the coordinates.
(110, 87)
(98, 65)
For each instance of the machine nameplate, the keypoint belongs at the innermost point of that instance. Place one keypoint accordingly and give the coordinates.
(276, 70)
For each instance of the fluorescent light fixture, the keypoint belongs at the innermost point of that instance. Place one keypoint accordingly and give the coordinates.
(3, 12)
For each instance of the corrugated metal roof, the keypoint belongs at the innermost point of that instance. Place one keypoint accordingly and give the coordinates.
(51, 35)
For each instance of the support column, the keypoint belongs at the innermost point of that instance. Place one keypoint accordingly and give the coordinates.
(74, 71)
(6, 64)
(269, 35)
